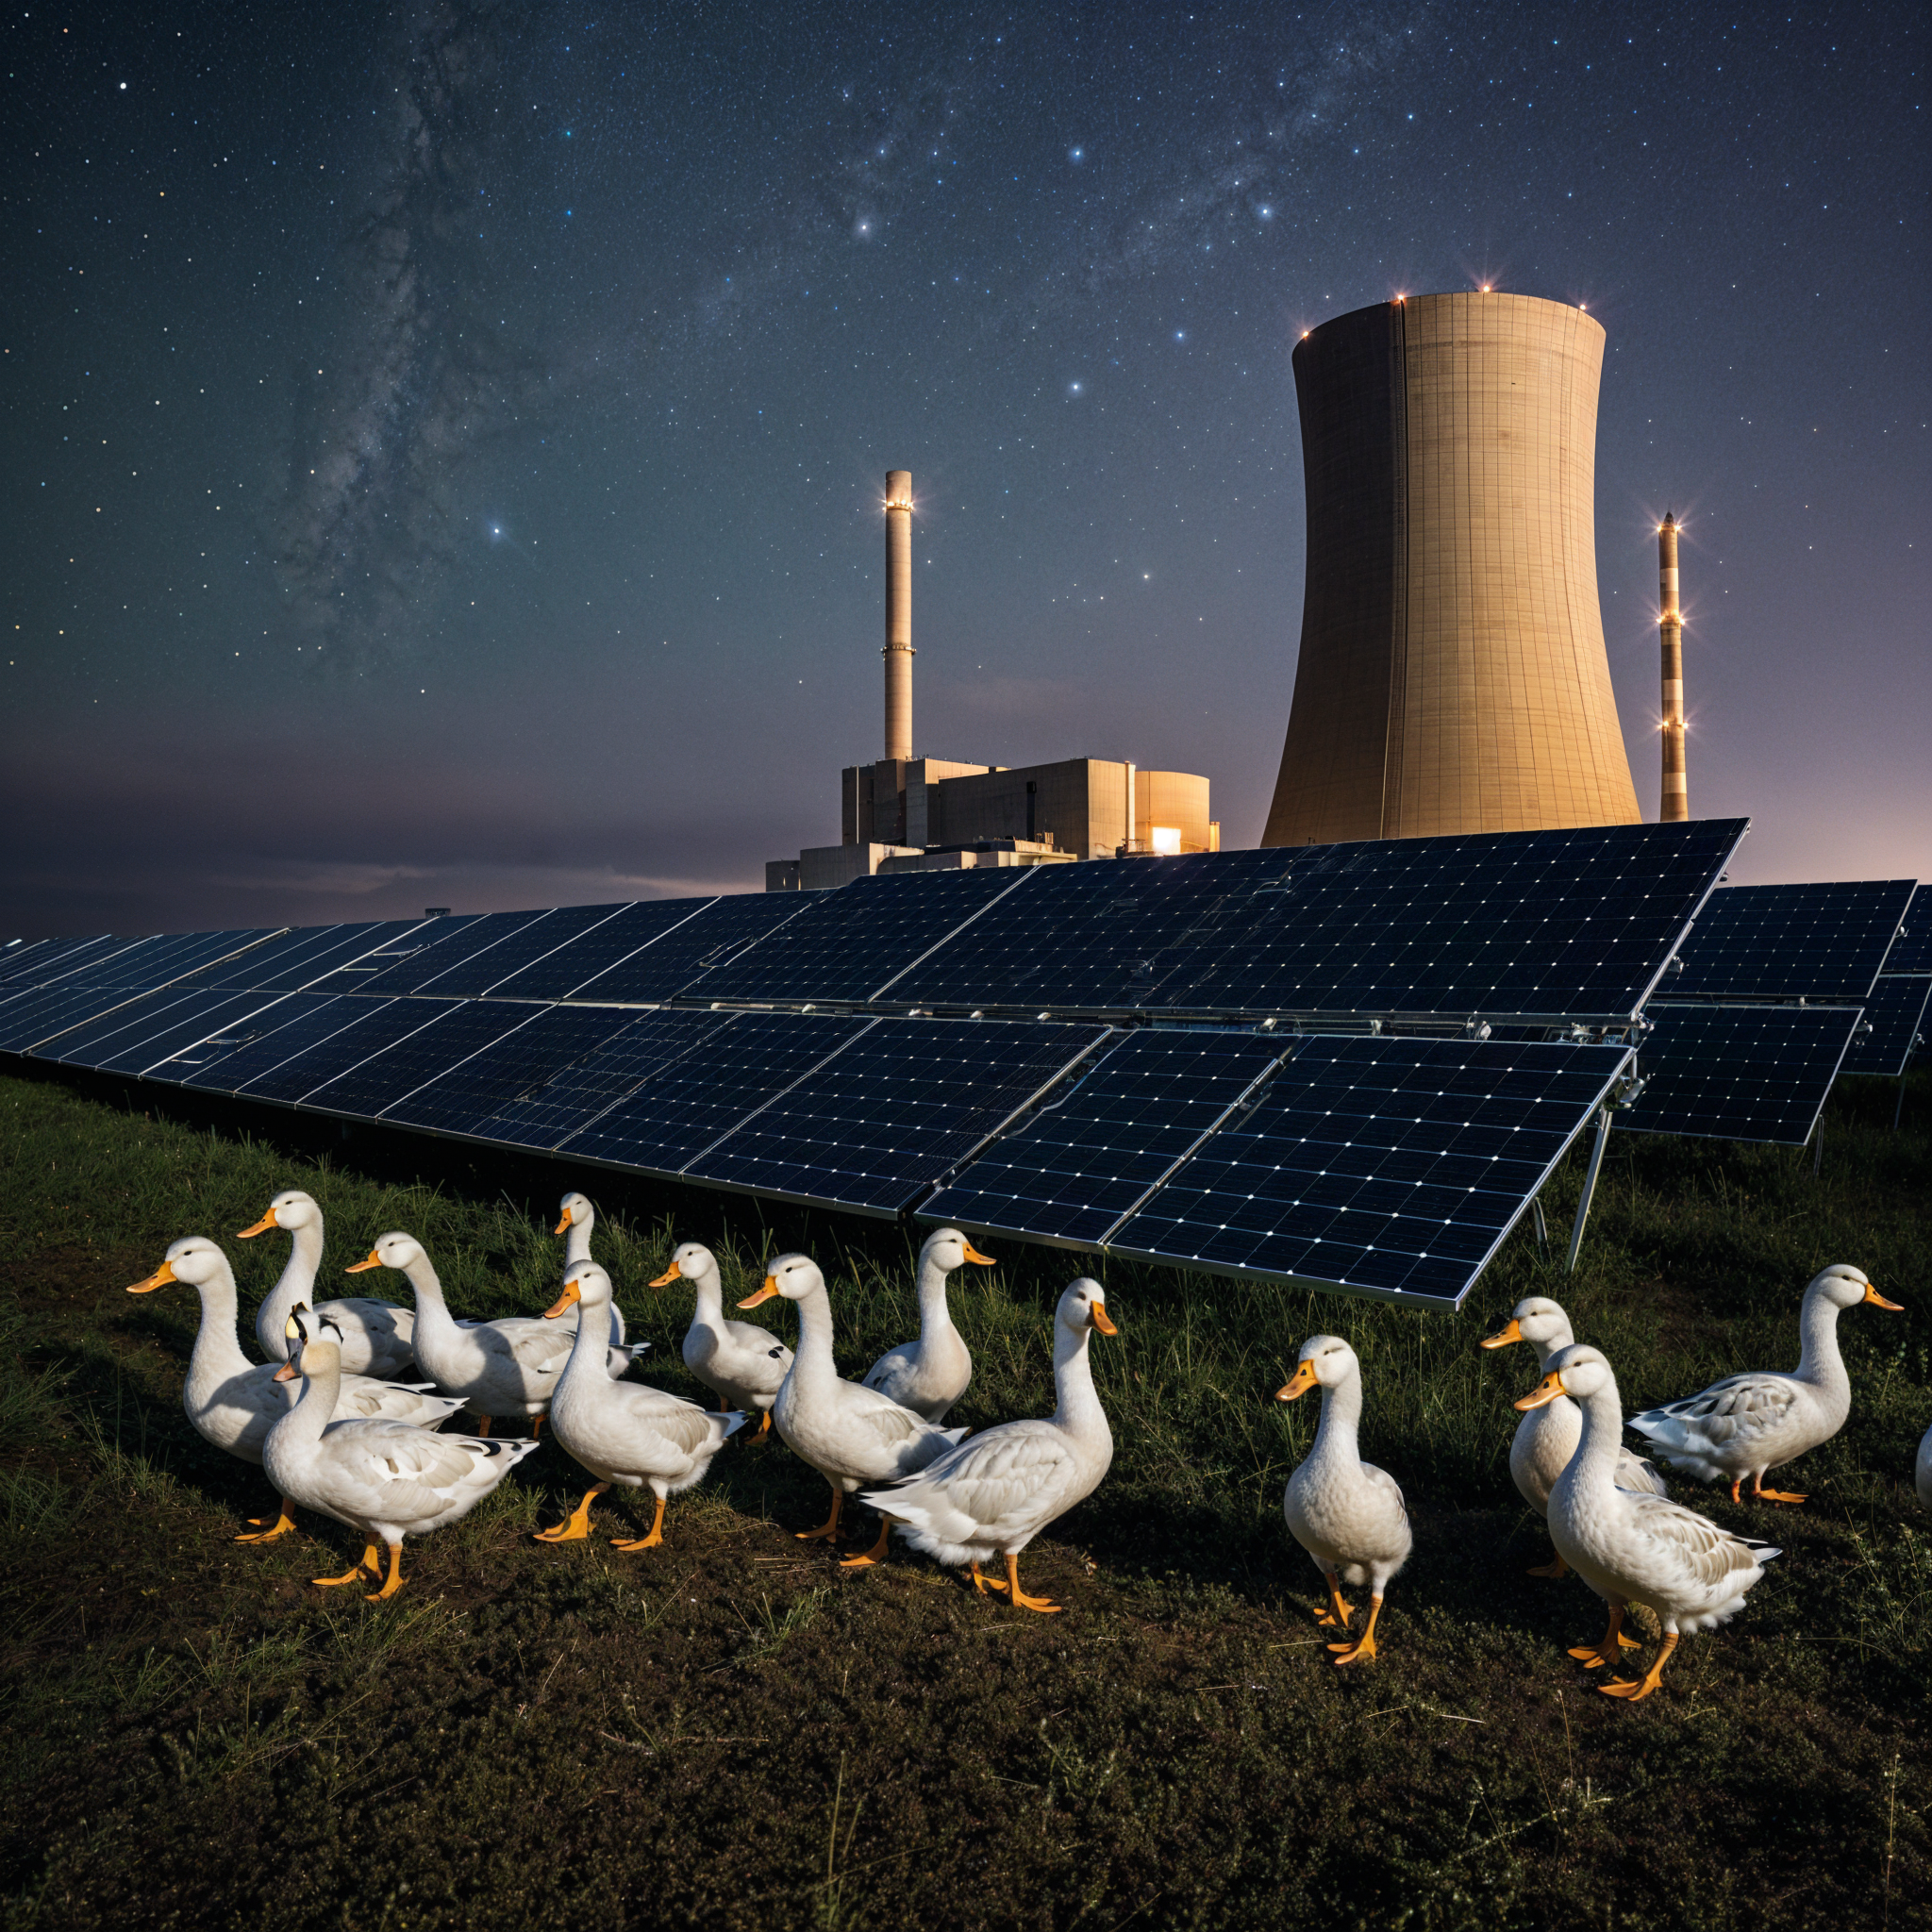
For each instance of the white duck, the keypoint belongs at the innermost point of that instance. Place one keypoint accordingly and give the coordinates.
(1629, 1545)
(850, 1434)
(1346, 1513)
(579, 1218)
(930, 1374)
(1922, 1470)
(1546, 1437)
(624, 1432)
(376, 1337)
(233, 1402)
(1751, 1424)
(993, 1494)
(504, 1368)
(742, 1364)
(384, 1478)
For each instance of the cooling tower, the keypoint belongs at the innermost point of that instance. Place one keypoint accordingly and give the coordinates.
(1452, 674)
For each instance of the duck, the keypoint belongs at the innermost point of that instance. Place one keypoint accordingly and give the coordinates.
(376, 1337)
(502, 1368)
(930, 1374)
(742, 1364)
(1546, 1437)
(995, 1492)
(1346, 1513)
(624, 1432)
(850, 1434)
(1749, 1424)
(1922, 1470)
(384, 1478)
(579, 1217)
(234, 1403)
(1631, 1546)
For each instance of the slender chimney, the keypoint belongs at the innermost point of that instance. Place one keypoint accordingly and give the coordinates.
(898, 651)
(1674, 801)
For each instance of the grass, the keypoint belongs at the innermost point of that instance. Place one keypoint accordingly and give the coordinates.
(730, 1731)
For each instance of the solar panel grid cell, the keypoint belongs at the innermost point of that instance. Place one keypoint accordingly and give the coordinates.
(1742, 1073)
(1822, 941)
(1911, 951)
(892, 1110)
(486, 972)
(295, 959)
(96, 1042)
(63, 960)
(446, 955)
(180, 1028)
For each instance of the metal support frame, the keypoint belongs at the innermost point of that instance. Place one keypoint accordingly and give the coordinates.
(1596, 1162)
(1543, 1226)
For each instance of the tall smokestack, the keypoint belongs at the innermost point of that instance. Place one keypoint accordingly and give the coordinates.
(898, 651)
(1675, 800)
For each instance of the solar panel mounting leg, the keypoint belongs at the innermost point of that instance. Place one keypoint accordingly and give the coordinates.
(1818, 1150)
(1596, 1162)
(1901, 1106)
(1543, 1226)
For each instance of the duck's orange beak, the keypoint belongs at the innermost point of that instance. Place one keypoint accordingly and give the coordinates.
(375, 1261)
(159, 1278)
(287, 1372)
(1878, 1301)
(669, 1275)
(1303, 1380)
(1546, 1391)
(569, 1299)
(564, 1225)
(267, 1223)
(973, 1254)
(1504, 1337)
(764, 1294)
(1097, 1314)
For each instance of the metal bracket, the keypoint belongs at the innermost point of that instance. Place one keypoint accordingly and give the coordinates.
(1596, 1162)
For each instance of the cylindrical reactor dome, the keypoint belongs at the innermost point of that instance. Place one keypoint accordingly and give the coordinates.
(898, 651)
(1452, 676)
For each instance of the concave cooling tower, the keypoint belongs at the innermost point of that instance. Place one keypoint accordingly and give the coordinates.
(1452, 674)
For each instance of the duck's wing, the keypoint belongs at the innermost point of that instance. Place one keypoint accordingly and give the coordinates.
(537, 1348)
(896, 1428)
(393, 1472)
(892, 1368)
(1635, 1474)
(1706, 1553)
(689, 1428)
(1380, 1479)
(1734, 1413)
(994, 1475)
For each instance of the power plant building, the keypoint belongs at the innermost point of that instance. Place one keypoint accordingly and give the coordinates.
(1452, 676)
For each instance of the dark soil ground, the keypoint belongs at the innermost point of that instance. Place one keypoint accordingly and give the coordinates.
(732, 1732)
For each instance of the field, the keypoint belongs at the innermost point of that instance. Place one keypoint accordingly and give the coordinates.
(731, 1732)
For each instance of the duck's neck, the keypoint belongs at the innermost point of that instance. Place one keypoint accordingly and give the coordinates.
(297, 1284)
(592, 1340)
(1341, 1425)
(217, 1350)
(576, 1242)
(935, 1317)
(1819, 1361)
(811, 1360)
(710, 1290)
(1561, 1339)
(315, 1406)
(1593, 1467)
(1076, 1402)
(432, 1311)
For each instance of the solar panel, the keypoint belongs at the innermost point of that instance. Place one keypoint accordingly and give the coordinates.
(668, 1123)
(1895, 1013)
(710, 937)
(877, 1124)
(292, 962)
(510, 957)
(576, 1094)
(452, 1032)
(227, 1063)
(1392, 1167)
(465, 1099)
(1911, 951)
(1093, 1152)
(443, 946)
(1747, 1072)
(845, 945)
(30, 960)
(44, 1013)
(179, 1030)
(1791, 942)
(94, 1042)
(359, 973)
(71, 967)
(368, 1026)
(591, 954)
(1535, 926)
(169, 956)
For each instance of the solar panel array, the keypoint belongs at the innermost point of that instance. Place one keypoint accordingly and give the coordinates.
(1107, 1056)
(1791, 942)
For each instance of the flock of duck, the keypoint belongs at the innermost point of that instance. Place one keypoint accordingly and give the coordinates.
(361, 1445)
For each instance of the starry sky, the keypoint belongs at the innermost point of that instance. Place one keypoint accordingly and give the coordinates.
(444, 445)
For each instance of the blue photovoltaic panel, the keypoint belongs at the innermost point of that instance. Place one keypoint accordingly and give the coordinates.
(1753, 1072)
(290, 962)
(1573, 925)
(1791, 943)
(445, 947)
(373, 1024)
(844, 946)
(226, 1062)
(485, 972)
(1389, 1167)
(359, 973)
(69, 969)
(173, 956)
(669, 1122)
(584, 959)
(1895, 1014)
(95, 1041)
(576, 1092)
(46, 1013)
(1080, 1163)
(709, 938)
(465, 1099)
(1911, 951)
(452, 1035)
(33, 960)
(178, 1053)
(897, 1106)
(179, 1030)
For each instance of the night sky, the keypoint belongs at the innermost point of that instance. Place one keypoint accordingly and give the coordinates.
(444, 449)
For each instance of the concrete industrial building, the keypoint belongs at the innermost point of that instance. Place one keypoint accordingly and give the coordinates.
(1452, 676)
(903, 813)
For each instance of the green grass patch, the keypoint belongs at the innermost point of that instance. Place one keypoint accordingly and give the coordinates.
(731, 1732)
